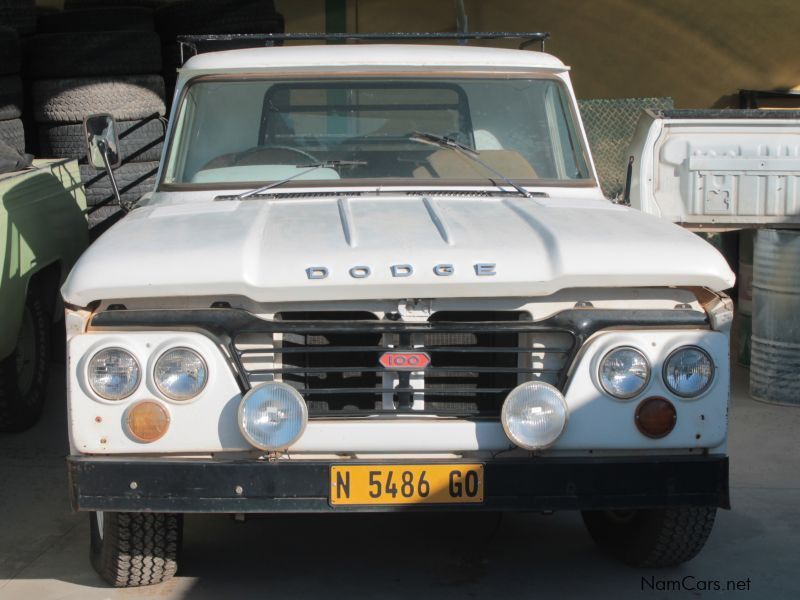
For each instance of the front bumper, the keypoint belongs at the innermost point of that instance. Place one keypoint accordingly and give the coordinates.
(256, 486)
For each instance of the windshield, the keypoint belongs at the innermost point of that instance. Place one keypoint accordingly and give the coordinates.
(249, 132)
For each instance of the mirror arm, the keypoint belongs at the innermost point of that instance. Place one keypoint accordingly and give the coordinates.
(104, 151)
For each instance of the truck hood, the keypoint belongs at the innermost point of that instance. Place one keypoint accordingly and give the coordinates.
(263, 249)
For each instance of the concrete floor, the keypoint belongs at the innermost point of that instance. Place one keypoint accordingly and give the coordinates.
(44, 546)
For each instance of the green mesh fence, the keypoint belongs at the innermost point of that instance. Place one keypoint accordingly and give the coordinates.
(610, 124)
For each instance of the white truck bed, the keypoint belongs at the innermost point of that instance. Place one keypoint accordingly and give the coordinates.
(717, 169)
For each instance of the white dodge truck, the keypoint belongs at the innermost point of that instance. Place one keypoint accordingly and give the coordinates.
(384, 278)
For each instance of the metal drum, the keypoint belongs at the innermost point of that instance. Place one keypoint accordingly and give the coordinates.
(775, 355)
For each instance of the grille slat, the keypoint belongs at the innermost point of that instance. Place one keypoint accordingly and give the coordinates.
(397, 390)
(429, 349)
(477, 358)
(428, 370)
(361, 327)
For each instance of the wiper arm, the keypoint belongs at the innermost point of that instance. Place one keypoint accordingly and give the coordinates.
(449, 143)
(326, 164)
(442, 142)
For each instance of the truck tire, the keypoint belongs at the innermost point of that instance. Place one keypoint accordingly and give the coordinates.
(23, 375)
(92, 54)
(139, 141)
(216, 16)
(133, 179)
(72, 100)
(662, 537)
(101, 219)
(135, 549)
(10, 97)
(12, 133)
(9, 51)
(19, 14)
(115, 18)
(78, 4)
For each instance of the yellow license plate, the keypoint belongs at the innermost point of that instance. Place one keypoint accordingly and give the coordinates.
(406, 484)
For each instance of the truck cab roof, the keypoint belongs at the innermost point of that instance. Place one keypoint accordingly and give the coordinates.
(377, 56)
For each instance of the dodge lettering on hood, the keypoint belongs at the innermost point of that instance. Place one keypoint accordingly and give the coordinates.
(388, 280)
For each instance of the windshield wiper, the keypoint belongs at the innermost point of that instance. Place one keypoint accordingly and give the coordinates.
(449, 143)
(326, 164)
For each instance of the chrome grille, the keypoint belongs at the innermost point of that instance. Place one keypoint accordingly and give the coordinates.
(332, 359)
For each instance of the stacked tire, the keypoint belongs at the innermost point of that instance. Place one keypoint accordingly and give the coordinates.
(197, 17)
(100, 60)
(19, 15)
(12, 132)
(17, 18)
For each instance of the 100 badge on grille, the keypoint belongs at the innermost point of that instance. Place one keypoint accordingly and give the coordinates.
(407, 484)
(405, 361)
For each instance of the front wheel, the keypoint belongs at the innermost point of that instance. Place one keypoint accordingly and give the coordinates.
(134, 549)
(661, 537)
(23, 375)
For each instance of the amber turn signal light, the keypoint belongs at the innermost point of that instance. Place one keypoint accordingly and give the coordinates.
(655, 417)
(148, 421)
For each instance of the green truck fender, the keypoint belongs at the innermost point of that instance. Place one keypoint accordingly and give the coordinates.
(43, 231)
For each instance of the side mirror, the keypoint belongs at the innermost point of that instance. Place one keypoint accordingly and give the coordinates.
(102, 146)
(102, 143)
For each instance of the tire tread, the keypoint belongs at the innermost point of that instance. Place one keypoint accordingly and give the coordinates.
(133, 180)
(97, 18)
(10, 97)
(72, 100)
(137, 548)
(139, 140)
(12, 133)
(92, 54)
(9, 51)
(656, 537)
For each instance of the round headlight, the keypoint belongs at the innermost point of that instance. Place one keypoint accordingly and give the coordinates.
(624, 372)
(180, 374)
(534, 415)
(113, 373)
(272, 416)
(688, 371)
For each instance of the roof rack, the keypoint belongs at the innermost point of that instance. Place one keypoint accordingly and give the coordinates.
(253, 40)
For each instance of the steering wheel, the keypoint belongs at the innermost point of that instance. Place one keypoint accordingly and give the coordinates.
(275, 150)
